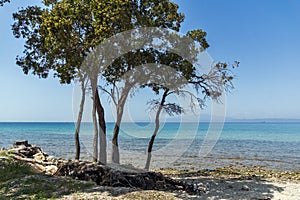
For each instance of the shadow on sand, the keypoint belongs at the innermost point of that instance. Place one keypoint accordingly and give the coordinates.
(253, 188)
(212, 188)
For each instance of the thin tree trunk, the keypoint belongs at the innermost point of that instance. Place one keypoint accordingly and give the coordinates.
(120, 109)
(102, 132)
(78, 123)
(151, 142)
(95, 140)
(115, 145)
(94, 117)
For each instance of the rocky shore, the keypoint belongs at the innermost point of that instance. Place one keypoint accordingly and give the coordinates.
(31, 173)
(103, 175)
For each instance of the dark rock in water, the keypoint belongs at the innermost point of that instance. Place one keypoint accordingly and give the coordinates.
(21, 142)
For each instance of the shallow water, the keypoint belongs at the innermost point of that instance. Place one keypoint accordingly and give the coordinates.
(272, 145)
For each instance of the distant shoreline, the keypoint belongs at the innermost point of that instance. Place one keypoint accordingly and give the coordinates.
(226, 122)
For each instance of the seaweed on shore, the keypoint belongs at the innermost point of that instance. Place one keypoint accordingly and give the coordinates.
(242, 173)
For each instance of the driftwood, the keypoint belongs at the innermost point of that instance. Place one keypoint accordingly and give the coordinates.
(31, 160)
(105, 175)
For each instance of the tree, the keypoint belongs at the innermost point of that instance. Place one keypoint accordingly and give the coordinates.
(60, 35)
(160, 56)
(151, 13)
(2, 2)
(211, 85)
(83, 84)
(181, 72)
(44, 53)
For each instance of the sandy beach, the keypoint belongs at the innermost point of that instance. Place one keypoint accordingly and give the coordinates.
(222, 183)
(215, 188)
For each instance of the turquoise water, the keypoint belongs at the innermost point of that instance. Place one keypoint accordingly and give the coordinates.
(272, 145)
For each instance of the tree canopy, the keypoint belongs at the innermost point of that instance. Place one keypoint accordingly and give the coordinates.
(61, 34)
(2, 2)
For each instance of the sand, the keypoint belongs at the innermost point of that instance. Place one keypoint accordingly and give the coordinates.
(212, 188)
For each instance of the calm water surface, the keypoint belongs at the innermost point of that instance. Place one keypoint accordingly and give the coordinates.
(272, 145)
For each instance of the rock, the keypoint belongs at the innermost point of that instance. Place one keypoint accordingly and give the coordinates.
(26, 151)
(50, 170)
(30, 151)
(39, 157)
(202, 189)
(260, 198)
(245, 188)
(121, 177)
(195, 187)
(51, 159)
(21, 142)
(39, 167)
(207, 185)
(104, 175)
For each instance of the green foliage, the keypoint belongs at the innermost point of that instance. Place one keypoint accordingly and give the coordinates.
(199, 36)
(215, 82)
(2, 2)
(59, 35)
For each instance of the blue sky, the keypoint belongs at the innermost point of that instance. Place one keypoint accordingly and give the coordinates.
(262, 35)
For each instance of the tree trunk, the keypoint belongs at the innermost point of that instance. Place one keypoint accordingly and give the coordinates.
(102, 132)
(95, 140)
(120, 109)
(151, 142)
(94, 117)
(78, 123)
(115, 146)
(99, 134)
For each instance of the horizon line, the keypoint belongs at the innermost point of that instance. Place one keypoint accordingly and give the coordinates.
(227, 120)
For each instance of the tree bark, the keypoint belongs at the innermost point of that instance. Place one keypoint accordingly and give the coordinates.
(95, 140)
(100, 154)
(151, 142)
(78, 123)
(102, 132)
(120, 109)
(94, 117)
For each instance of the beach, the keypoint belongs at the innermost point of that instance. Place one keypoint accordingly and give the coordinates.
(225, 183)
(163, 100)
(224, 188)
(249, 160)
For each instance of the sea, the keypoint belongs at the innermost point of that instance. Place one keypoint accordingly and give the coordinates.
(271, 145)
